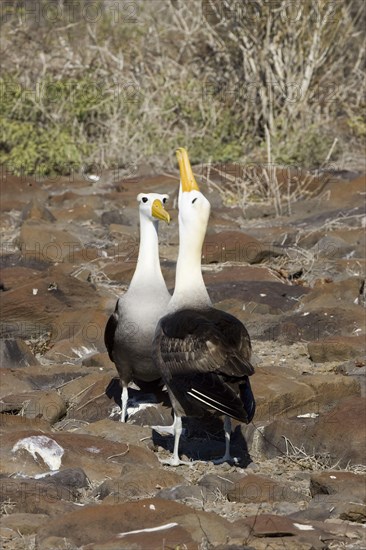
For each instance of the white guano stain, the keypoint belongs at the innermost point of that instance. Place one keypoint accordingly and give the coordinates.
(94, 450)
(46, 448)
(140, 407)
(148, 530)
(303, 527)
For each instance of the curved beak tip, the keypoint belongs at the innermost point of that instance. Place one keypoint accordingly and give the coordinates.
(186, 174)
(158, 211)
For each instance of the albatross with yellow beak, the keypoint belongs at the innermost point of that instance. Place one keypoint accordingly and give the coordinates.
(203, 353)
(130, 329)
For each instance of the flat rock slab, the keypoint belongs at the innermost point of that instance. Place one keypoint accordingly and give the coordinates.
(338, 495)
(34, 496)
(14, 423)
(10, 382)
(137, 480)
(97, 524)
(25, 524)
(266, 297)
(14, 353)
(33, 452)
(283, 391)
(313, 325)
(223, 273)
(260, 489)
(46, 405)
(340, 484)
(272, 531)
(235, 246)
(337, 436)
(333, 294)
(339, 348)
(122, 432)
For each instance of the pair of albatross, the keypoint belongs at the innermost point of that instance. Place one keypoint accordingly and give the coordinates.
(201, 353)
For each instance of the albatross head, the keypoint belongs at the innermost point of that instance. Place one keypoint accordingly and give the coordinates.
(194, 208)
(194, 211)
(152, 206)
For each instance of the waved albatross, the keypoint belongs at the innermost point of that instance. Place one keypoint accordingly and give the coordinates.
(203, 353)
(130, 329)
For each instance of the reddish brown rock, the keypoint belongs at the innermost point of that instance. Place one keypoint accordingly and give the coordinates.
(333, 294)
(24, 188)
(89, 398)
(10, 381)
(24, 523)
(256, 488)
(334, 482)
(283, 391)
(36, 210)
(14, 353)
(345, 193)
(216, 484)
(97, 524)
(336, 436)
(172, 536)
(239, 274)
(33, 496)
(264, 297)
(97, 360)
(270, 525)
(12, 423)
(45, 242)
(338, 348)
(80, 212)
(122, 432)
(235, 246)
(33, 453)
(48, 406)
(309, 325)
(137, 481)
(54, 303)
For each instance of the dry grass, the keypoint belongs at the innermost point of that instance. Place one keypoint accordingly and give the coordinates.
(267, 82)
(316, 461)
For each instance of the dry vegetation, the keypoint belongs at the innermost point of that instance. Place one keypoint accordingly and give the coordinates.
(114, 84)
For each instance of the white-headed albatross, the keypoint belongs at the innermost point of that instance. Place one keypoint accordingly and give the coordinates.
(202, 352)
(130, 329)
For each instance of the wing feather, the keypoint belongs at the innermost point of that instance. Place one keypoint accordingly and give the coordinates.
(191, 341)
(110, 331)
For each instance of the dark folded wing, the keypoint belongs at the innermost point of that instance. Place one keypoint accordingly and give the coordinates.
(110, 331)
(207, 341)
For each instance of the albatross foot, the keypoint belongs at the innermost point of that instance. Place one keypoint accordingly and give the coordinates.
(164, 429)
(177, 462)
(226, 458)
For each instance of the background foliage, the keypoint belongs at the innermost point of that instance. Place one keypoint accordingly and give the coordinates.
(118, 83)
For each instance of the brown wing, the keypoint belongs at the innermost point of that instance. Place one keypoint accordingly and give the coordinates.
(191, 341)
(204, 358)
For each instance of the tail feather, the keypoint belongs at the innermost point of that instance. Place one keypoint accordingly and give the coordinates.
(247, 398)
(212, 393)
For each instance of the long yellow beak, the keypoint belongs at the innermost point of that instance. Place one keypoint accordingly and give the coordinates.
(186, 175)
(158, 211)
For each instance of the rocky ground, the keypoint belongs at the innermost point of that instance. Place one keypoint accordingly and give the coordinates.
(73, 477)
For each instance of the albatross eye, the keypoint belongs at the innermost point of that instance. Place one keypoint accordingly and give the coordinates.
(194, 200)
(144, 199)
(164, 200)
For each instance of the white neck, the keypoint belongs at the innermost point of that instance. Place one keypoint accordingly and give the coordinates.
(190, 290)
(148, 264)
